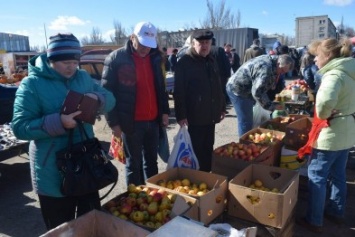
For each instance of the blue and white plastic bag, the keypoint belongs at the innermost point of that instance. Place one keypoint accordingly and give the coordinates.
(183, 155)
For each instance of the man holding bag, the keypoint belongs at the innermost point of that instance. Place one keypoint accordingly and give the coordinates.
(198, 96)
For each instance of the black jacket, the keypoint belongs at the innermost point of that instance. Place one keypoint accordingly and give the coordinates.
(198, 92)
(119, 76)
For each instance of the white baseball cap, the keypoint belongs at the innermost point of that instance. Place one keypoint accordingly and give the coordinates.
(146, 34)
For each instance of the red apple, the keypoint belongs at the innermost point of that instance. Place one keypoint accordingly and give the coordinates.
(125, 209)
(143, 206)
(131, 201)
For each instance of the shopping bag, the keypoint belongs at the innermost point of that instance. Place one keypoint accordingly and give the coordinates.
(183, 155)
(260, 115)
(116, 149)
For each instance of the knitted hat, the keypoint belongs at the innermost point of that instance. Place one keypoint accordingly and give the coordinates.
(63, 47)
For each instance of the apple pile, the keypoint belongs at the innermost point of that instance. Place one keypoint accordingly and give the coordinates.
(258, 184)
(185, 186)
(301, 83)
(264, 138)
(288, 119)
(237, 150)
(145, 206)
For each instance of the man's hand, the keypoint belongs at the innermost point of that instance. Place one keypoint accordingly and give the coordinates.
(116, 131)
(165, 120)
(183, 122)
(223, 115)
(68, 120)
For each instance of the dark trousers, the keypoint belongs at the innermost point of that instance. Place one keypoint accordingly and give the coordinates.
(58, 210)
(141, 150)
(202, 138)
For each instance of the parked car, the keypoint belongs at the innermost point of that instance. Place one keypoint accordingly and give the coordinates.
(93, 62)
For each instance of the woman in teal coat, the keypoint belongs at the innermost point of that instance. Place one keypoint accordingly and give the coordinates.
(37, 118)
(335, 102)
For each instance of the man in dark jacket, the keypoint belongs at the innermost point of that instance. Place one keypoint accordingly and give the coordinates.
(224, 67)
(198, 96)
(134, 75)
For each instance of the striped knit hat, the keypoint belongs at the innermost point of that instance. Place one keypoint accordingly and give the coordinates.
(63, 47)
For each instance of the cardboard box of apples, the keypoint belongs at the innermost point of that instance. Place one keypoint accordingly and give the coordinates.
(148, 207)
(233, 157)
(263, 194)
(208, 189)
(297, 133)
(281, 123)
(271, 138)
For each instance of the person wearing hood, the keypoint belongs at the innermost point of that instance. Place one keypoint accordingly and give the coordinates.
(37, 118)
(276, 48)
(134, 75)
(335, 116)
(198, 96)
(253, 51)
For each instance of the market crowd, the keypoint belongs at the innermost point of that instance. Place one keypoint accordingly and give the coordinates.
(208, 78)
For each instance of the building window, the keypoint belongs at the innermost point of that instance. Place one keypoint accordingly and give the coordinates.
(321, 29)
(321, 36)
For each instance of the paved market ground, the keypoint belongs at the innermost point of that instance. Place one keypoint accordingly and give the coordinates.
(19, 208)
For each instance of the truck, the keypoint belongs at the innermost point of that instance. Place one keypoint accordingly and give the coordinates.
(13, 62)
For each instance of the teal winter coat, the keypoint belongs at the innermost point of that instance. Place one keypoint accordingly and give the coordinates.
(37, 118)
(336, 92)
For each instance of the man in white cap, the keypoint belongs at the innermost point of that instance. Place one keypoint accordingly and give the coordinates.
(134, 75)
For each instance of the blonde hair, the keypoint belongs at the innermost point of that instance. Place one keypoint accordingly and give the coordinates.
(335, 48)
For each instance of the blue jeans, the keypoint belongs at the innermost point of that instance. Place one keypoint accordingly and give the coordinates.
(326, 166)
(141, 151)
(244, 110)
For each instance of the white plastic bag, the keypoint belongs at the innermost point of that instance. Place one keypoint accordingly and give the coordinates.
(225, 229)
(260, 115)
(183, 155)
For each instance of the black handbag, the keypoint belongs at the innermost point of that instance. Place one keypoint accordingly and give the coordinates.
(84, 166)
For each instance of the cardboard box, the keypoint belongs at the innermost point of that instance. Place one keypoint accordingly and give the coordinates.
(180, 207)
(297, 133)
(230, 166)
(97, 224)
(281, 123)
(180, 226)
(276, 144)
(264, 207)
(211, 204)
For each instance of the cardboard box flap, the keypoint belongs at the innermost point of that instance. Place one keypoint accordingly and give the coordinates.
(97, 224)
(180, 226)
(180, 207)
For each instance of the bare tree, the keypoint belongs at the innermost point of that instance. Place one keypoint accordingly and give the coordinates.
(96, 36)
(220, 17)
(85, 40)
(119, 35)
